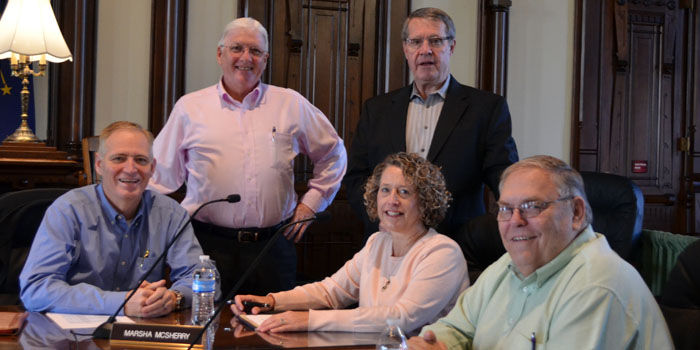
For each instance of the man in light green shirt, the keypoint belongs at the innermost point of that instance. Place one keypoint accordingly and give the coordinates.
(560, 286)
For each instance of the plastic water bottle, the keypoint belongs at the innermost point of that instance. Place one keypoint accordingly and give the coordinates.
(392, 338)
(203, 290)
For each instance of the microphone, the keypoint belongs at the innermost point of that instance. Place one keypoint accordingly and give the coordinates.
(322, 216)
(104, 330)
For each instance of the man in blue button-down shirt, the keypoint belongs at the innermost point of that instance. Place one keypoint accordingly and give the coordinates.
(95, 242)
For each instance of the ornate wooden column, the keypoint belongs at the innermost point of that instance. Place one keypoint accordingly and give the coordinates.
(167, 84)
(492, 61)
(72, 85)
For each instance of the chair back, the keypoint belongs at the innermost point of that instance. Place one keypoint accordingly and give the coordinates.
(481, 243)
(90, 146)
(21, 213)
(680, 300)
(618, 210)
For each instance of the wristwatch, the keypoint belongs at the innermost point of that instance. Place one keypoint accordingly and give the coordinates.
(178, 300)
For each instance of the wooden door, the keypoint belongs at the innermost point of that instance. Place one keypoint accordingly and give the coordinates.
(337, 53)
(634, 110)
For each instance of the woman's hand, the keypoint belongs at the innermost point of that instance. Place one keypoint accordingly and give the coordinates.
(289, 321)
(239, 307)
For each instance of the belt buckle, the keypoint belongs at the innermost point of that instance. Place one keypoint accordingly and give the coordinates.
(247, 236)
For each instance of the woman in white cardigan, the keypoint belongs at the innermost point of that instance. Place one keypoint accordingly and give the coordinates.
(406, 271)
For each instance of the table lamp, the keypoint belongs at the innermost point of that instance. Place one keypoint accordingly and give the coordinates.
(28, 33)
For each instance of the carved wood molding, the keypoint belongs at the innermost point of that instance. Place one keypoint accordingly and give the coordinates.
(492, 46)
(72, 85)
(167, 84)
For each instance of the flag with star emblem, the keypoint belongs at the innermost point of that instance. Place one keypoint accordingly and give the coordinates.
(10, 97)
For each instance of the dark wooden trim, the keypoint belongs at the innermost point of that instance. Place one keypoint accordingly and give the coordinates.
(492, 46)
(167, 83)
(71, 106)
(692, 107)
(576, 98)
(392, 69)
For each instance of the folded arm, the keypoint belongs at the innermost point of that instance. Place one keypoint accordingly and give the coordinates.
(43, 280)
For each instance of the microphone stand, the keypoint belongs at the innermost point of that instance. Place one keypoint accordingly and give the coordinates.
(104, 330)
(319, 216)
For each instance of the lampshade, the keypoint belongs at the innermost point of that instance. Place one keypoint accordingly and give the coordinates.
(29, 27)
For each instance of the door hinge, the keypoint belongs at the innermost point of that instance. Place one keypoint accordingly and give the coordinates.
(684, 144)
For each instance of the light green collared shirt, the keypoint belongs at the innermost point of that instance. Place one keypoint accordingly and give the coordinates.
(585, 298)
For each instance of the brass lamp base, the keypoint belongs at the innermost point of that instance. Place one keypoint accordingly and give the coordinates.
(22, 134)
(21, 68)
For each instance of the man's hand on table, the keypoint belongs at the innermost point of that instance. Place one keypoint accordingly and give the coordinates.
(151, 300)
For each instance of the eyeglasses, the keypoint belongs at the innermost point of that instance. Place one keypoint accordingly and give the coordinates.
(435, 42)
(527, 210)
(237, 49)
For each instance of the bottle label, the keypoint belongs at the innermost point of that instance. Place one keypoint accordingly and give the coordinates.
(203, 286)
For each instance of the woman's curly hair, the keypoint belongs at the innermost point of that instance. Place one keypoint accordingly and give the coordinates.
(424, 177)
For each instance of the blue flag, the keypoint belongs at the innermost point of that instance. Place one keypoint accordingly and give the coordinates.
(11, 99)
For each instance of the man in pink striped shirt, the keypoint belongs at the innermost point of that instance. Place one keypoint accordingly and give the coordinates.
(241, 136)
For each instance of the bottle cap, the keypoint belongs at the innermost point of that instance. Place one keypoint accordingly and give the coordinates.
(203, 257)
(392, 321)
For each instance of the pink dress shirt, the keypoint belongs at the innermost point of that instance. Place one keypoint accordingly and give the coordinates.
(417, 288)
(221, 147)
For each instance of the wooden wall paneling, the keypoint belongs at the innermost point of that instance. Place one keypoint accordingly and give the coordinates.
(589, 18)
(322, 69)
(578, 59)
(72, 84)
(654, 98)
(492, 46)
(692, 104)
(492, 58)
(369, 54)
(168, 33)
(284, 67)
(357, 80)
(262, 10)
(393, 70)
(630, 101)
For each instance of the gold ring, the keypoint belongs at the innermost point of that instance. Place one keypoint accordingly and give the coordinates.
(282, 322)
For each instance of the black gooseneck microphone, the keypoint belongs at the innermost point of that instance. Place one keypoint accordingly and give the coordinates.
(104, 330)
(322, 216)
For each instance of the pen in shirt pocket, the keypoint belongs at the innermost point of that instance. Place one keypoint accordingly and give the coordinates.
(145, 255)
(274, 131)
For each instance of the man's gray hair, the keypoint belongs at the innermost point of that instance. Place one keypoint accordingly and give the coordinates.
(244, 23)
(124, 125)
(567, 180)
(433, 14)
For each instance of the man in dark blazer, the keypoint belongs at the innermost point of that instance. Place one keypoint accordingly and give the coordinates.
(465, 131)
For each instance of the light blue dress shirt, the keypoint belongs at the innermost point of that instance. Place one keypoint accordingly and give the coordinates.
(86, 256)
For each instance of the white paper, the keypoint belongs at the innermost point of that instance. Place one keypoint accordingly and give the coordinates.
(255, 320)
(75, 321)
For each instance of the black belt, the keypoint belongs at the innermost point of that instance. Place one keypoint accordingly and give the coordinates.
(243, 235)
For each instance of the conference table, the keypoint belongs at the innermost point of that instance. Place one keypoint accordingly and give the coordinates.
(40, 332)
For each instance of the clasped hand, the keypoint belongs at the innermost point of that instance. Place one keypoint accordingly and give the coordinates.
(150, 300)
